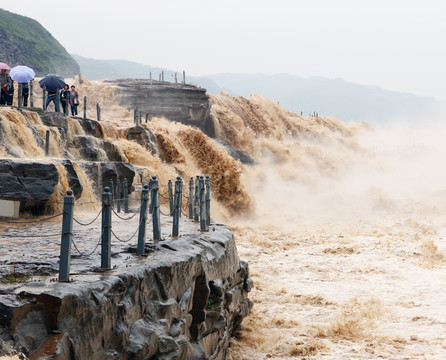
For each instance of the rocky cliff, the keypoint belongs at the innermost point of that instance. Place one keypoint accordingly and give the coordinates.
(184, 103)
(23, 41)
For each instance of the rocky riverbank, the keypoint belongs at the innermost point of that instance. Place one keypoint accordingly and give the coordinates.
(181, 301)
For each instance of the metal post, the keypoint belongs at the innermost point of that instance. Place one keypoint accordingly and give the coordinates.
(143, 221)
(66, 238)
(126, 196)
(98, 111)
(208, 200)
(191, 198)
(135, 116)
(106, 229)
(156, 211)
(176, 78)
(169, 186)
(68, 100)
(20, 97)
(197, 198)
(47, 143)
(177, 208)
(118, 195)
(31, 94)
(152, 196)
(202, 205)
(56, 101)
(112, 192)
(184, 77)
(181, 195)
(85, 107)
(43, 98)
(140, 118)
(147, 117)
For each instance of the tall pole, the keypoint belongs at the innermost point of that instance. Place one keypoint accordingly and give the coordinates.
(85, 107)
(31, 94)
(67, 236)
(20, 97)
(106, 229)
(43, 98)
(156, 211)
(143, 221)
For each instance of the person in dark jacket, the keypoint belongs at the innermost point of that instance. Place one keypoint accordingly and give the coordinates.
(3, 86)
(25, 93)
(9, 90)
(65, 98)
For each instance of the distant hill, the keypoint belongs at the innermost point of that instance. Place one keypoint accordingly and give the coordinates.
(345, 100)
(23, 41)
(121, 69)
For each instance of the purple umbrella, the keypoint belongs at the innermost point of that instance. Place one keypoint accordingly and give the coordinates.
(22, 74)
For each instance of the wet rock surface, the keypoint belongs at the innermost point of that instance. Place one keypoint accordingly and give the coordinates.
(27, 180)
(183, 300)
(238, 154)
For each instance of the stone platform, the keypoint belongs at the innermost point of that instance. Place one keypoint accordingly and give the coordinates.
(183, 300)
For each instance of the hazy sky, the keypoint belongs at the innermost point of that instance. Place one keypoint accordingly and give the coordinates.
(395, 44)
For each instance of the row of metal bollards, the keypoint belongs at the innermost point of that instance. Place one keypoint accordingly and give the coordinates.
(202, 192)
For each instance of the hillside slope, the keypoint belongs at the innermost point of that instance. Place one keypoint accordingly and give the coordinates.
(23, 41)
(333, 97)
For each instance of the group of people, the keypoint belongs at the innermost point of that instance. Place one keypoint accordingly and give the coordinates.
(67, 98)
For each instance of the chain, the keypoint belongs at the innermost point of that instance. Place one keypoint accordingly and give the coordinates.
(163, 213)
(29, 236)
(187, 215)
(122, 218)
(82, 224)
(74, 244)
(124, 241)
(31, 221)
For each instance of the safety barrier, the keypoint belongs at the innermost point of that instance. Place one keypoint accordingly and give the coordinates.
(150, 204)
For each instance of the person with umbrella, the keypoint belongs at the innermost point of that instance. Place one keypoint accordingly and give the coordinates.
(4, 87)
(23, 74)
(4, 83)
(52, 83)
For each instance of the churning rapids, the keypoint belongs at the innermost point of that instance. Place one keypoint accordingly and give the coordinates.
(342, 224)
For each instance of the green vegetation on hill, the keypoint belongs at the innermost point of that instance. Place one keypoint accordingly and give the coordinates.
(23, 41)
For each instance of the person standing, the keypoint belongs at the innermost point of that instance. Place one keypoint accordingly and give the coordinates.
(4, 86)
(9, 90)
(52, 96)
(74, 100)
(25, 93)
(64, 98)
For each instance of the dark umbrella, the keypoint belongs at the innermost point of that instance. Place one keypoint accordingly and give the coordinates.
(52, 82)
(22, 74)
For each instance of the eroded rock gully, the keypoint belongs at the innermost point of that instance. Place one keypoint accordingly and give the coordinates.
(182, 301)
